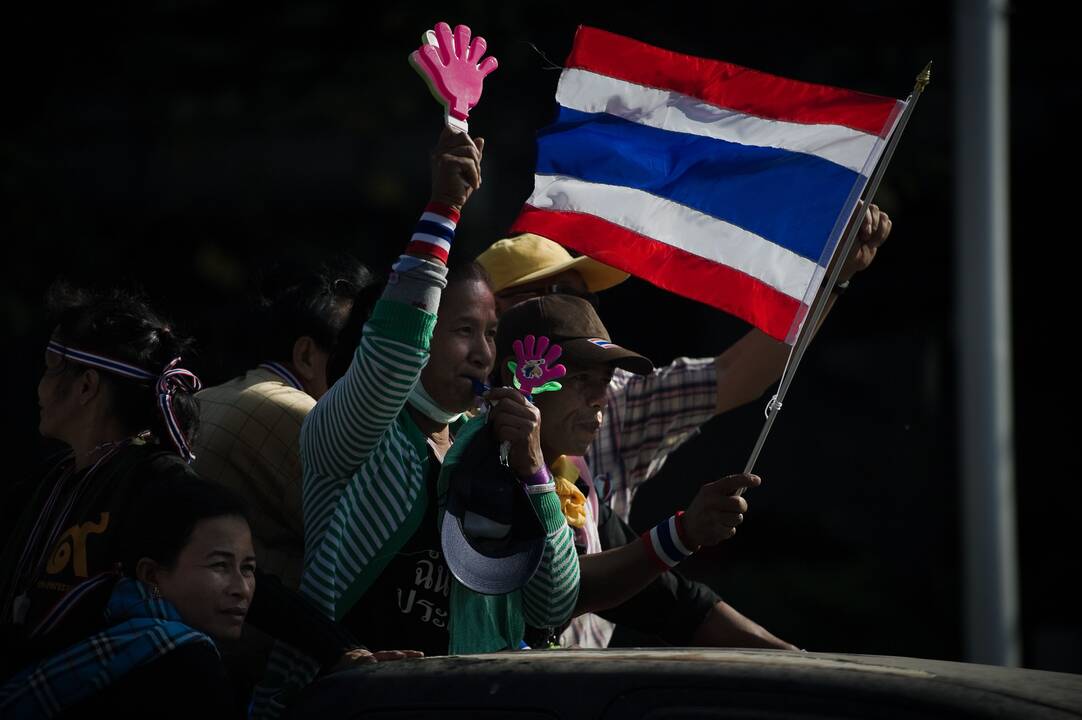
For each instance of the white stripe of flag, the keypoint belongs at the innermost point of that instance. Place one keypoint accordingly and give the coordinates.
(682, 227)
(589, 92)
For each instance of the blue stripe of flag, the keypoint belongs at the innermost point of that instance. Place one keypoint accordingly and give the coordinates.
(789, 198)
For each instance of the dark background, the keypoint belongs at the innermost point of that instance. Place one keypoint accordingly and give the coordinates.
(179, 145)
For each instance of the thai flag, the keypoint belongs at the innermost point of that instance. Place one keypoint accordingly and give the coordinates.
(719, 183)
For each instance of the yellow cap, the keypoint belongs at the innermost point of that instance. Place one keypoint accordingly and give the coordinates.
(528, 257)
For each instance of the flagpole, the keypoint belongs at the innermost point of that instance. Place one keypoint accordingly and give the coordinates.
(820, 303)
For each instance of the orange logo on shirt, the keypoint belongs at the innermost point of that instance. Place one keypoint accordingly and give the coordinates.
(72, 546)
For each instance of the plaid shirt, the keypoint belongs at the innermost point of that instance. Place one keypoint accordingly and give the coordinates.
(249, 440)
(143, 629)
(647, 417)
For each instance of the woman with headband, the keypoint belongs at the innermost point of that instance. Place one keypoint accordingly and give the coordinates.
(114, 390)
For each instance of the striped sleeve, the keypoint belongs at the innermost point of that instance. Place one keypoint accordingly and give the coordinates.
(548, 599)
(351, 532)
(347, 423)
(349, 420)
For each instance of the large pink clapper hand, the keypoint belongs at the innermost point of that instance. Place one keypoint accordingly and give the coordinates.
(453, 69)
(535, 363)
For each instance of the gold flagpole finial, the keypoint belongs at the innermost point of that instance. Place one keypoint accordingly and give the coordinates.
(924, 78)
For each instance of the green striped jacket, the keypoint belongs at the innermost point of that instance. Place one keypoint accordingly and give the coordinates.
(364, 472)
(365, 465)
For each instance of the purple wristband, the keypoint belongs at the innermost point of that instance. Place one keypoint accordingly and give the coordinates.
(541, 477)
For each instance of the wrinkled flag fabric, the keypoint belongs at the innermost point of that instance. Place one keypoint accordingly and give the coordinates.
(723, 184)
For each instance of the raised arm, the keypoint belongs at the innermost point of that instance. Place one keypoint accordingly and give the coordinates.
(348, 422)
(755, 362)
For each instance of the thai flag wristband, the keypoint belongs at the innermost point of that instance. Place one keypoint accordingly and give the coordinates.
(667, 544)
(434, 232)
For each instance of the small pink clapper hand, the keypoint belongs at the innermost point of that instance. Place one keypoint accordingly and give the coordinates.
(453, 69)
(535, 363)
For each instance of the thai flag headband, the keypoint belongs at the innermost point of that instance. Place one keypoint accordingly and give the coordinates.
(168, 382)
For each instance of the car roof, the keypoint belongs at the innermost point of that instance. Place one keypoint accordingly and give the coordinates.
(690, 682)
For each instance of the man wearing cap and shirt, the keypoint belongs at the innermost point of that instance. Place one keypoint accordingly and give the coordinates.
(651, 416)
(570, 419)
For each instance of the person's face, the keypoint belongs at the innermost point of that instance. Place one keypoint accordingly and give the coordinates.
(568, 282)
(57, 401)
(463, 345)
(571, 417)
(212, 583)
